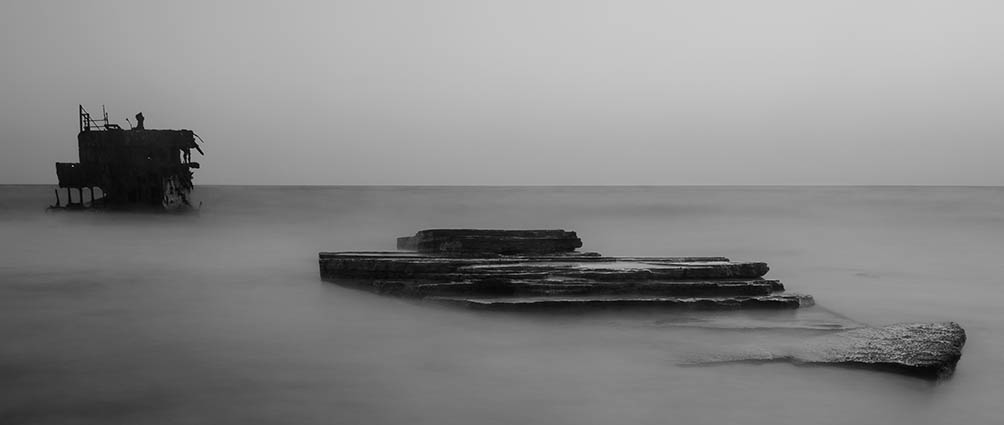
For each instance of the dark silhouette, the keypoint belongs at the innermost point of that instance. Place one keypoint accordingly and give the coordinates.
(135, 167)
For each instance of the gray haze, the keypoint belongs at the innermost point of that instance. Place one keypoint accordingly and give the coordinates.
(520, 92)
(220, 317)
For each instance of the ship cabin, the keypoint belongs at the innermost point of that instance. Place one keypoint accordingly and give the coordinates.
(129, 167)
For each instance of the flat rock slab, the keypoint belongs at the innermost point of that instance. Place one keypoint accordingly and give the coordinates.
(615, 269)
(592, 303)
(539, 270)
(593, 266)
(473, 285)
(479, 241)
(566, 281)
(814, 319)
(925, 350)
(565, 287)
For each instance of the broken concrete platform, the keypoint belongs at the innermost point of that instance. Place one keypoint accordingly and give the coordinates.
(623, 302)
(538, 270)
(924, 350)
(477, 241)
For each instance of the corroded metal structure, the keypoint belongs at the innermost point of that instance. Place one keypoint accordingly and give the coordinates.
(135, 167)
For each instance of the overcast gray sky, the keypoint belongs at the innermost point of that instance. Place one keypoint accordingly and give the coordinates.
(520, 92)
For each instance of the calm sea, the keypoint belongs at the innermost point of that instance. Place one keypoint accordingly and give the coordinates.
(219, 316)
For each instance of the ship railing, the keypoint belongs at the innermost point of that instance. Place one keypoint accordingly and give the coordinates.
(90, 124)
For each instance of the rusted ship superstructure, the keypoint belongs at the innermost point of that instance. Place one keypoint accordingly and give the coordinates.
(133, 167)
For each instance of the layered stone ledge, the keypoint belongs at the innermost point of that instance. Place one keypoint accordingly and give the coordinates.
(924, 350)
(561, 282)
(490, 241)
(539, 271)
(629, 302)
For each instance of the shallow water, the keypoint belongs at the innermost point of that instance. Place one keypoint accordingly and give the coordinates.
(220, 317)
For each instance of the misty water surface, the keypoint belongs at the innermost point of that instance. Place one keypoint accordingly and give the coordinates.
(220, 317)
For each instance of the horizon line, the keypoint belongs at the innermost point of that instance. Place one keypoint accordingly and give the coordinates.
(564, 185)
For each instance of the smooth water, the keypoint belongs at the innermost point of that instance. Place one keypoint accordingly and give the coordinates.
(220, 317)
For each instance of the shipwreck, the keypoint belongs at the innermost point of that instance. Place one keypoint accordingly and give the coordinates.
(540, 271)
(134, 167)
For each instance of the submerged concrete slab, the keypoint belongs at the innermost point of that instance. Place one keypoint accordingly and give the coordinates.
(615, 269)
(558, 281)
(538, 271)
(808, 319)
(591, 303)
(924, 350)
(480, 241)
(391, 265)
(552, 287)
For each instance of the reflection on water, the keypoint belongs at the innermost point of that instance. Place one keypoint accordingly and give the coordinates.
(219, 316)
